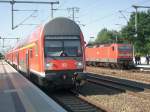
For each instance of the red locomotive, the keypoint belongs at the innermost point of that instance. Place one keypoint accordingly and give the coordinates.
(52, 55)
(113, 55)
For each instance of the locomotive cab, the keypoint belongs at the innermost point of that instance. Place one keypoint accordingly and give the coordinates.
(125, 54)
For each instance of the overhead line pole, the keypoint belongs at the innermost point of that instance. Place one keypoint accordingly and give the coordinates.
(74, 10)
(136, 21)
(8, 38)
(52, 9)
(136, 17)
(12, 12)
(12, 2)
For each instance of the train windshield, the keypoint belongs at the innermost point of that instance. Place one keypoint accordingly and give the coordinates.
(125, 48)
(67, 48)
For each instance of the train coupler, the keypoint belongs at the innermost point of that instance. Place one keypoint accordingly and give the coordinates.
(79, 79)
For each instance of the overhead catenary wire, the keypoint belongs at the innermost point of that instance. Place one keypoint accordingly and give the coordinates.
(110, 15)
(90, 6)
(98, 19)
(13, 2)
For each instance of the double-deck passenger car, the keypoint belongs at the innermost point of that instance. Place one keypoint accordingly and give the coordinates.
(52, 55)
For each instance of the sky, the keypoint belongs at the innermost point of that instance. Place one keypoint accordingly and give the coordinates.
(92, 16)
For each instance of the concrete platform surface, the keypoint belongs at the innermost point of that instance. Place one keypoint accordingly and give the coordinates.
(143, 66)
(17, 94)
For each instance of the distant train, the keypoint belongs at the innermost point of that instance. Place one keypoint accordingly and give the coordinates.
(112, 55)
(53, 55)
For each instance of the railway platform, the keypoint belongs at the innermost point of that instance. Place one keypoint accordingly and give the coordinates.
(143, 66)
(17, 94)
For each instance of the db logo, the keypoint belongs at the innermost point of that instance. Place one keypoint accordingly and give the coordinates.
(64, 65)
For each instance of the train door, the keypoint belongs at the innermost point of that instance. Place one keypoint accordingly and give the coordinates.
(11, 61)
(27, 64)
(17, 60)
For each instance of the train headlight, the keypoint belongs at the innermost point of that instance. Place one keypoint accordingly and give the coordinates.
(79, 65)
(49, 65)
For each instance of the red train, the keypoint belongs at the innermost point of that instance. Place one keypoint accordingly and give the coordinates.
(113, 55)
(53, 55)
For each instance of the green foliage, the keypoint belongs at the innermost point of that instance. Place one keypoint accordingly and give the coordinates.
(127, 34)
(106, 36)
(142, 41)
(103, 36)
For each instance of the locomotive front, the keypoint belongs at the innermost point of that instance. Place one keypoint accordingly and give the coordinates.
(125, 55)
(63, 52)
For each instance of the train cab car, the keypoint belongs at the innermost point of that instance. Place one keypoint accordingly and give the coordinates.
(53, 54)
(63, 50)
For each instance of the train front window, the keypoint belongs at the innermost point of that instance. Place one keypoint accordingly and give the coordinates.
(72, 48)
(125, 48)
(67, 48)
(53, 48)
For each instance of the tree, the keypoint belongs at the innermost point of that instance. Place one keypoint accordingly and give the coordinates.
(106, 36)
(142, 41)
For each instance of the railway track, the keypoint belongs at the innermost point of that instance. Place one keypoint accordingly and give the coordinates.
(132, 74)
(116, 83)
(72, 101)
(133, 70)
(75, 102)
(122, 87)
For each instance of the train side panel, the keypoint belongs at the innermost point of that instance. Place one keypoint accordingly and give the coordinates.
(101, 54)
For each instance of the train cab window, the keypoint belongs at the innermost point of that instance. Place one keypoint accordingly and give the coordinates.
(125, 48)
(68, 47)
(53, 48)
(72, 48)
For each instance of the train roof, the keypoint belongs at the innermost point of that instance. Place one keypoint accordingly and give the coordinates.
(61, 26)
(56, 27)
